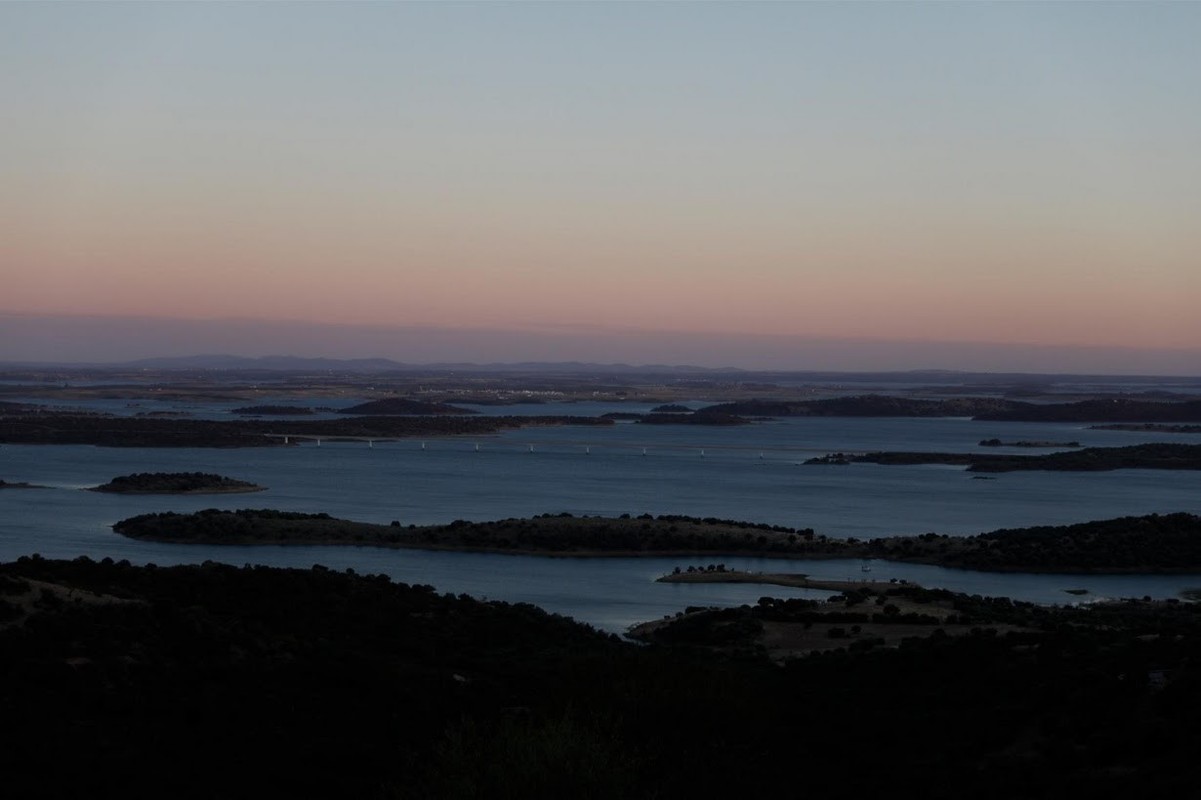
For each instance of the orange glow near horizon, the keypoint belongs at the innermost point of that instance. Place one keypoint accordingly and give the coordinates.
(789, 191)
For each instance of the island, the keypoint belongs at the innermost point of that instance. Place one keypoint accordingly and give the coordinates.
(676, 418)
(1089, 459)
(176, 483)
(546, 534)
(401, 405)
(273, 411)
(1151, 427)
(19, 485)
(1155, 543)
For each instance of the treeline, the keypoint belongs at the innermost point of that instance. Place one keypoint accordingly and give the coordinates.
(935, 610)
(866, 405)
(673, 418)
(981, 408)
(1089, 459)
(1151, 543)
(1110, 410)
(175, 482)
(63, 428)
(15, 485)
(549, 533)
(245, 526)
(1147, 426)
(1026, 443)
(135, 681)
(403, 405)
(273, 410)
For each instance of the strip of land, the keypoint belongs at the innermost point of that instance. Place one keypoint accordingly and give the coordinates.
(398, 416)
(1155, 543)
(111, 431)
(793, 580)
(981, 408)
(1090, 459)
(176, 483)
(1153, 427)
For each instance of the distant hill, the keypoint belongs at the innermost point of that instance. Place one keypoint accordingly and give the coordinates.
(1013, 383)
(400, 405)
(289, 363)
(303, 364)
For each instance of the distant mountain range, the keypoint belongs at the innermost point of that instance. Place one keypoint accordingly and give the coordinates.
(365, 365)
(299, 363)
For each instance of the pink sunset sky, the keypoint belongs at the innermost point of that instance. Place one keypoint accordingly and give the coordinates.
(712, 181)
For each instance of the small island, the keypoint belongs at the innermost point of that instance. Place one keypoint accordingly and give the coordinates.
(21, 485)
(273, 411)
(176, 483)
(403, 406)
(677, 418)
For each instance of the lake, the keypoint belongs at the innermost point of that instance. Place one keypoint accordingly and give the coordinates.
(751, 472)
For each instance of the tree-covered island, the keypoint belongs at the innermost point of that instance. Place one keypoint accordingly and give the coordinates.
(18, 485)
(1147, 544)
(403, 405)
(273, 411)
(176, 483)
(1089, 459)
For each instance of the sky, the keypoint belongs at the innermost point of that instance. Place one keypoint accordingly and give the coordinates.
(941, 182)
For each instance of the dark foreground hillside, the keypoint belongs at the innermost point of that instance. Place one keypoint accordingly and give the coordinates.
(216, 681)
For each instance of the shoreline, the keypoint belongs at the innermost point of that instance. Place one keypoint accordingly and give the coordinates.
(233, 490)
(792, 580)
(1152, 544)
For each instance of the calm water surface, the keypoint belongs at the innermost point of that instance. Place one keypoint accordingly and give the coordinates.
(746, 473)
